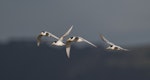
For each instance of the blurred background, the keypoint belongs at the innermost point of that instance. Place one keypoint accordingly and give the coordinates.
(124, 22)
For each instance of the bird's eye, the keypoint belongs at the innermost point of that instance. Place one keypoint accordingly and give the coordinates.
(47, 34)
(71, 37)
(111, 45)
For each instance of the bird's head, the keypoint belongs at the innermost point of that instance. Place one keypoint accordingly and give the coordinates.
(70, 39)
(44, 33)
(110, 47)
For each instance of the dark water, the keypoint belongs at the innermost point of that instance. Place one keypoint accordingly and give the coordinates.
(25, 61)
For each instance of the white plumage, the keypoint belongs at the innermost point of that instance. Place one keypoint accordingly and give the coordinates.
(44, 33)
(111, 45)
(75, 39)
(60, 42)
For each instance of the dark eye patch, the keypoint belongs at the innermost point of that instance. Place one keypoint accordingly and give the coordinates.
(47, 34)
(111, 45)
(71, 37)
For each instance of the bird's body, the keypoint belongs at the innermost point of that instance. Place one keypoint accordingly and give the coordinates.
(44, 33)
(115, 47)
(60, 42)
(112, 46)
(75, 39)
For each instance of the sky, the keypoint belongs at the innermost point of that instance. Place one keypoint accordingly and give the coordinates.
(124, 22)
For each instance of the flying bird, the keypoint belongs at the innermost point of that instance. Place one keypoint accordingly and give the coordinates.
(75, 39)
(60, 42)
(112, 46)
(44, 33)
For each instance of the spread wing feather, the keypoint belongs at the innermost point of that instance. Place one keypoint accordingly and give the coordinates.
(87, 41)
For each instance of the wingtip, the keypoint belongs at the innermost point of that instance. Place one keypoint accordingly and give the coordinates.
(72, 26)
(95, 46)
(68, 57)
(68, 51)
(126, 50)
(101, 35)
(38, 44)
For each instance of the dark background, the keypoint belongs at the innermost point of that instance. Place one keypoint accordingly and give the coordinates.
(23, 60)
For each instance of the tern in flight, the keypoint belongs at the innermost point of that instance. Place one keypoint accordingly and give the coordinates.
(112, 46)
(48, 34)
(44, 33)
(75, 39)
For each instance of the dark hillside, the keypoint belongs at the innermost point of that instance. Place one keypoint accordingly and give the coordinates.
(23, 60)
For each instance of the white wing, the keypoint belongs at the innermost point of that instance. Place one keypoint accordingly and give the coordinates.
(67, 33)
(105, 40)
(52, 35)
(87, 41)
(123, 49)
(110, 43)
(68, 46)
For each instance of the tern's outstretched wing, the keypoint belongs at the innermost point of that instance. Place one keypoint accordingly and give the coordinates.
(68, 46)
(51, 35)
(123, 49)
(105, 40)
(87, 41)
(67, 33)
(110, 43)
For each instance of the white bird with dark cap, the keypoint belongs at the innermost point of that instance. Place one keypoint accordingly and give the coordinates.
(75, 39)
(44, 33)
(112, 46)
